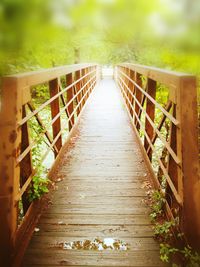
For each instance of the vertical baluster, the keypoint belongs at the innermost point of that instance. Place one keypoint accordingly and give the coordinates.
(86, 80)
(97, 70)
(129, 86)
(150, 110)
(92, 77)
(69, 80)
(55, 109)
(119, 79)
(172, 167)
(81, 86)
(77, 89)
(90, 83)
(138, 95)
(132, 88)
(26, 164)
(126, 87)
(122, 83)
(84, 90)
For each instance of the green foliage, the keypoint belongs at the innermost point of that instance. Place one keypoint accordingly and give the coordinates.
(190, 258)
(166, 230)
(39, 185)
(166, 252)
(157, 204)
(40, 93)
(37, 34)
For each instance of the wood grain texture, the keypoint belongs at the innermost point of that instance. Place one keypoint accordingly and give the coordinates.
(100, 193)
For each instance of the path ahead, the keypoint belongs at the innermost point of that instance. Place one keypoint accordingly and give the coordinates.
(101, 195)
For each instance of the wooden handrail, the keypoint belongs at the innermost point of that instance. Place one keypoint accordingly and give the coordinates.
(16, 166)
(181, 167)
(41, 76)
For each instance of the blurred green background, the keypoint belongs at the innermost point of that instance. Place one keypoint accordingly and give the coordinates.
(43, 33)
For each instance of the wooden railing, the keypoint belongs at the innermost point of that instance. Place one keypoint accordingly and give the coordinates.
(169, 136)
(69, 88)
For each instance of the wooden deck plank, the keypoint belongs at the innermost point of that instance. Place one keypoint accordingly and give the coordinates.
(88, 258)
(100, 193)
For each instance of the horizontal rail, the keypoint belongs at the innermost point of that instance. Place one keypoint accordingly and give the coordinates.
(167, 77)
(28, 149)
(25, 186)
(34, 78)
(176, 159)
(177, 196)
(167, 114)
(51, 100)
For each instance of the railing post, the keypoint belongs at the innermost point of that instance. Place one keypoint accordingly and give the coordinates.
(55, 109)
(187, 150)
(150, 110)
(10, 143)
(69, 81)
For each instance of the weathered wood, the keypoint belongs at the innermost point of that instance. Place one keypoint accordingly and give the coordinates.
(157, 105)
(55, 109)
(150, 109)
(169, 78)
(83, 72)
(33, 78)
(40, 122)
(182, 173)
(132, 89)
(138, 95)
(86, 72)
(15, 151)
(160, 125)
(161, 165)
(77, 89)
(26, 163)
(94, 258)
(9, 170)
(100, 192)
(187, 149)
(127, 84)
(171, 164)
(69, 80)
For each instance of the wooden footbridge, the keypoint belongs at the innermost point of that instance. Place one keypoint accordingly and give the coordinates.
(111, 139)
